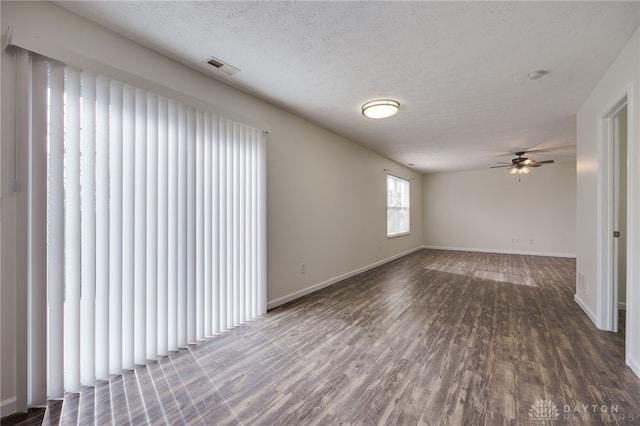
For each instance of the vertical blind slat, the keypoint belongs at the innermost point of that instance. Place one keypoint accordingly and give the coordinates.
(37, 294)
(128, 240)
(215, 257)
(223, 195)
(191, 226)
(261, 235)
(21, 184)
(116, 247)
(235, 240)
(140, 230)
(229, 225)
(102, 229)
(88, 226)
(163, 227)
(254, 216)
(182, 227)
(199, 217)
(242, 227)
(172, 233)
(152, 229)
(72, 232)
(207, 258)
(55, 243)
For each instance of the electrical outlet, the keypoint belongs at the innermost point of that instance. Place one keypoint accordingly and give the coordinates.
(530, 242)
(303, 268)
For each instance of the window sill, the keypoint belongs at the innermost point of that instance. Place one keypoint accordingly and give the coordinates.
(398, 235)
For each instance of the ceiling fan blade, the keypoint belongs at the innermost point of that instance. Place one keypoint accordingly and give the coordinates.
(556, 148)
(496, 167)
(534, 163)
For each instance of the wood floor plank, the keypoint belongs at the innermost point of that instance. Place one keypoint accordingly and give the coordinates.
(433, 338)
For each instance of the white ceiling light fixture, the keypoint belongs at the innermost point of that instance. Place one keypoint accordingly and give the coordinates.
(382, 108)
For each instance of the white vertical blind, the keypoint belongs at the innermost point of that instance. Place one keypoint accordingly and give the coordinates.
(146, 226)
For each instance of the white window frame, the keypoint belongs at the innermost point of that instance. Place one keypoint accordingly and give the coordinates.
(398, 206)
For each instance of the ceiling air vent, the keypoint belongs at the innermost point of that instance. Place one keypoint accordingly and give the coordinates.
(222, 66)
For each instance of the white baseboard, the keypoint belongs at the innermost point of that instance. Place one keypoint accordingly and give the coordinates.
(298, 294)
(526, 253)
(8, 407)
(634, 365)
(586, 309)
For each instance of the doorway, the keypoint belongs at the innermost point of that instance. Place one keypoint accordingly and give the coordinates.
(612, 216)
(619, 243)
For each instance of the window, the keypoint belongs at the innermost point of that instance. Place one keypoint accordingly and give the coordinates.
(398, 209)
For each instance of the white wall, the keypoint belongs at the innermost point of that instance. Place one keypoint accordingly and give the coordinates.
(622, 78)
(489, 210)
(325, 195)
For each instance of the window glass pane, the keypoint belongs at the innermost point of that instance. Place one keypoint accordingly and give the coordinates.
(398, 209)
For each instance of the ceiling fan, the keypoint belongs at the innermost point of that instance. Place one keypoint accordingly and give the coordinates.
(521, 165)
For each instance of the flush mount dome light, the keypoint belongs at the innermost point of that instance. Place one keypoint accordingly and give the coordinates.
(380, 109)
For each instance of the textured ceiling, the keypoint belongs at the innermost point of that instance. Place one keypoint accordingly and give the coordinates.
(459, 69)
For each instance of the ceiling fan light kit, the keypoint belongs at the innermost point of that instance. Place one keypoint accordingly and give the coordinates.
(522, 165)
(519, 170)
(382, 108)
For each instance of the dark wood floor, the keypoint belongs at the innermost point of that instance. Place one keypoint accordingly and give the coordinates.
(434, 338)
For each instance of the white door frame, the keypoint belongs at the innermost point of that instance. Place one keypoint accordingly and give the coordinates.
(607, 291)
